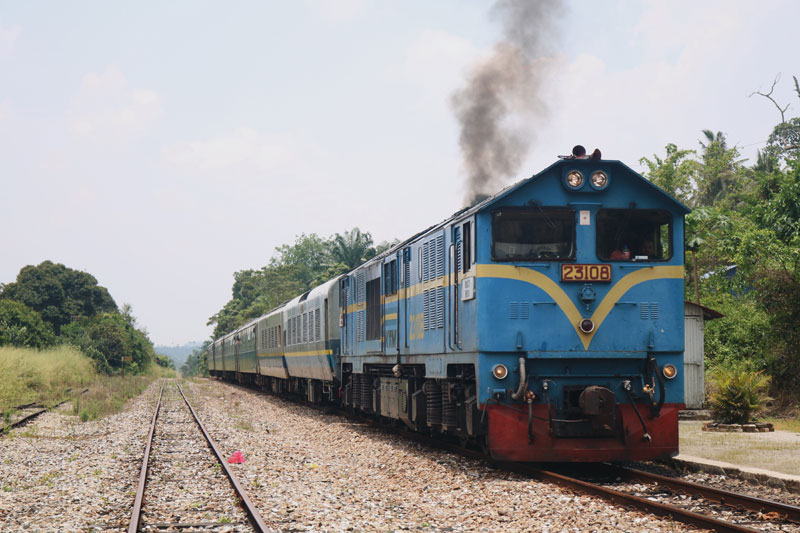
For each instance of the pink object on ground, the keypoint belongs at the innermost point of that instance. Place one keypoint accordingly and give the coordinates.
(236, 458)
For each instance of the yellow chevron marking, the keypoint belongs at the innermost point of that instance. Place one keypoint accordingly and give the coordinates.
(563, 301)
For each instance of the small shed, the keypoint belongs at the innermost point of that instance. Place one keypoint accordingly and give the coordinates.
(694, 368)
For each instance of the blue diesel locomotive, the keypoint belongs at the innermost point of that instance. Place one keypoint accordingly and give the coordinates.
(544, 323)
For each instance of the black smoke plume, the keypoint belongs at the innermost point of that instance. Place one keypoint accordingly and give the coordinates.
(500, 103)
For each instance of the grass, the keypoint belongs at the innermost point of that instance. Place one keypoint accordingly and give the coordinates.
(41, 376)
(768, 451)
(45, 377)
(108, 395)
(784, 424)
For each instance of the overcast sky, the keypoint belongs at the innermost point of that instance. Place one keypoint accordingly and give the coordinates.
(162, 146)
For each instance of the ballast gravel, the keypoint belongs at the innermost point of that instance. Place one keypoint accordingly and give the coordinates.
(60, 474)
(305, 470)
(311, 471)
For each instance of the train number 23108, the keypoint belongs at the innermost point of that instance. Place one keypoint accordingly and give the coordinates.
(585, 272)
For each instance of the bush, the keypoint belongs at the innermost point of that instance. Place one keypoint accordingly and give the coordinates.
(739, 395)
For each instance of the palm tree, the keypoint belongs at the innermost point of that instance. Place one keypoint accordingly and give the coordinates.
(352, 248)
(718, 174)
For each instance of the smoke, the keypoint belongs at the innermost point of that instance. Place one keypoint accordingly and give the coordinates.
(500, 102)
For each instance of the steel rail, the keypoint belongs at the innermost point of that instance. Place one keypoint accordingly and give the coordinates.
(136, 514)
(252, 513)
(617, 497)
(614, 496)
(627, 500)
(31, 416)
(789, 513)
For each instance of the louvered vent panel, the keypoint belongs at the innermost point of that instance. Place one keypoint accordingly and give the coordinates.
(317, 326)
(513, 310)
(426, 310)
(360, 288)
(654, 311)
(457, 239)
(524, 310)
(407, 274)
(439, 256)
(361, 331)
(440, 307)
(426, 261)
(644, 311)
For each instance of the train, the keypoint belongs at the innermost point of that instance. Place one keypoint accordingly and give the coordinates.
(541, 324)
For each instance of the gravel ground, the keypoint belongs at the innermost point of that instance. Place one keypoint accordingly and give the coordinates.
(185, 484)
(307, 471)
(734, 484)
(59, 474)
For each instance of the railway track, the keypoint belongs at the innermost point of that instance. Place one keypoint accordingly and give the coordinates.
(680, 500)
(673, 498)
(683, 501)
(30, 411)
(185, 482)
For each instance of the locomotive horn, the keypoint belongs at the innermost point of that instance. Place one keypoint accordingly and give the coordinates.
(578, 151)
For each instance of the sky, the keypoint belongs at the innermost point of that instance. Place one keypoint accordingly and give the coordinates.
(163, 146)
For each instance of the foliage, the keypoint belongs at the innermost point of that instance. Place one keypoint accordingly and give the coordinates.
(743, 239)
(784, 141)
(294, 269)
(30, 375)
(59, 294)
(741, 335)
(721, 174)
(197, 363)
(675, 174)
(352, 248)
(739, 394)
(22, 326)
(109, 337)
(164, 361)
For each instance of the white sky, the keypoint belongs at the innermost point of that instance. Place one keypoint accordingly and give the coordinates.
(162, 146)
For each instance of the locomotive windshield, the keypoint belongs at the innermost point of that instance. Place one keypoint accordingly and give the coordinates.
(533, 233)
(634, 235)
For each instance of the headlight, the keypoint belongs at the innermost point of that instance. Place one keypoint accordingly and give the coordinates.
(670, 371)
(500, 371)
(574, 179)
(586, 325)
(599, 179)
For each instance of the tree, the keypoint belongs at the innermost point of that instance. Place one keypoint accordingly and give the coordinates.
(676, 174)
(720, 175)
(59, 294)
(22, 326)
(197, 363)
(352, 248)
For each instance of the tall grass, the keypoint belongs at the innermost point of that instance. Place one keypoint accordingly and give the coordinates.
(108, 395)
(28, 375)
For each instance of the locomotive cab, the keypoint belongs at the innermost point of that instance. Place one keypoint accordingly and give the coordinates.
(580, 300)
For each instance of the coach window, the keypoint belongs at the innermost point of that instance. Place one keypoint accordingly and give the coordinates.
(634, 235)
(533, 234)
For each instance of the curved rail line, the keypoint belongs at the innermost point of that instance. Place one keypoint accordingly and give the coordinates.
(253, 515)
